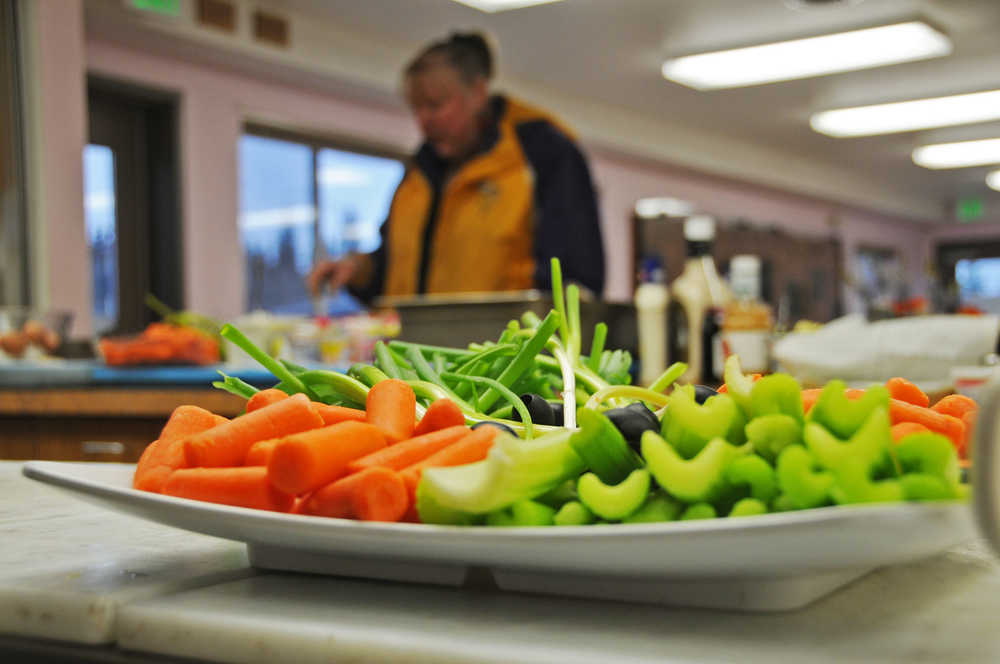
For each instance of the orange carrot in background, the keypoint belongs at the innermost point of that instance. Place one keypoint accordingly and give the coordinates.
(965, 409)
(946, 425)
(338, 414)
(903, 429)
(311, 459)
(260, 452)
(441, 414)
(956, 405)
(904, 390)
(265, 398)
(408, 452)
(242, 487)
(374, 494)
(472, 447)
(810, 397)
(165, 454)
(391, 406)
(228, 444)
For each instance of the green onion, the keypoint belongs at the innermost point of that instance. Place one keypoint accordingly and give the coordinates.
(673, 372)
(515, 401)
(524, 358)
(384, 361)
(274, 366)
(427, 373)
(235, 386)
(597, 346)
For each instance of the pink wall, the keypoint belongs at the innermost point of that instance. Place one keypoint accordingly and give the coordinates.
(623, 180)
(57, 134)
(214, 105)
(216, 102)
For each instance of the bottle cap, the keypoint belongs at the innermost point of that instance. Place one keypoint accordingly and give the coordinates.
(744, 264)
(699, 228)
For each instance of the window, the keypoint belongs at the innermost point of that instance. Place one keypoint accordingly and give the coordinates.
(102, 238)
(302, 200)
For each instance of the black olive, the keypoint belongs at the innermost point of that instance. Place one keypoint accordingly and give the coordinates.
(640, 408)
(498, 425)
(702, 393)
(557, 413)
(633, 422)
(539, 409)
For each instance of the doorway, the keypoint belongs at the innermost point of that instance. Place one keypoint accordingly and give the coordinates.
(131, 196)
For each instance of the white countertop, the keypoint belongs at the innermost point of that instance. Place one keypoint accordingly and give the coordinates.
(79, 573)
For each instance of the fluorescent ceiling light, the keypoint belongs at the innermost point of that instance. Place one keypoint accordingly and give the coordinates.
(502, 5)
(814, 56)
(660, 206)
(993, 180)
(958, 155)
(909, 115)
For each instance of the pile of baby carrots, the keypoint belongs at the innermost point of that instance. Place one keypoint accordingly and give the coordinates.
(290, 454)
(910, 411)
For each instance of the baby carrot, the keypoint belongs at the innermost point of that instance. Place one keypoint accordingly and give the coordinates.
(955, 405)
(242, 487)
(264, 398)
(391, 406)
(965, 409)
(374, 494)
(903, 429)
(227, 444)
(338, 414)
(472, 447)
(904, 390)
(408, 452)
(946, 425)
(810, 397)
(165, 454)
(311, 459)
(260, 452)
(441, 414)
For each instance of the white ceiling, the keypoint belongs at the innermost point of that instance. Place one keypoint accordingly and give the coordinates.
(597, 63)
(610, 51)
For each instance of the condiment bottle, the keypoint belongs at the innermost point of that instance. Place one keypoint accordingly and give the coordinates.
(697, 300)
(747, 322)
(651, 298)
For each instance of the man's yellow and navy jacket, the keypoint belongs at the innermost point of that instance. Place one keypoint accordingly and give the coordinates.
(493, 223)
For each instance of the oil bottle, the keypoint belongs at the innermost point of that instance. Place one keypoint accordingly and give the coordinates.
(698, 298)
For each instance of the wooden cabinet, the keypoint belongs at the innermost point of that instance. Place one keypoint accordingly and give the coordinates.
(94, 424)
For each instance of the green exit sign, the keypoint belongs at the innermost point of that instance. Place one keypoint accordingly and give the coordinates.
(969, 209)
(164, 7)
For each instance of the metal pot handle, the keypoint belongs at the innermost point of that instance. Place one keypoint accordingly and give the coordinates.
(986, 465)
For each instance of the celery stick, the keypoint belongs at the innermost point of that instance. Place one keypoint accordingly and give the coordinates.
(748, 507)
(603, 448)
(614, 502)
(513, 470)
(522, 513)
(573, 513)
(698, 511)
(658, 507)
